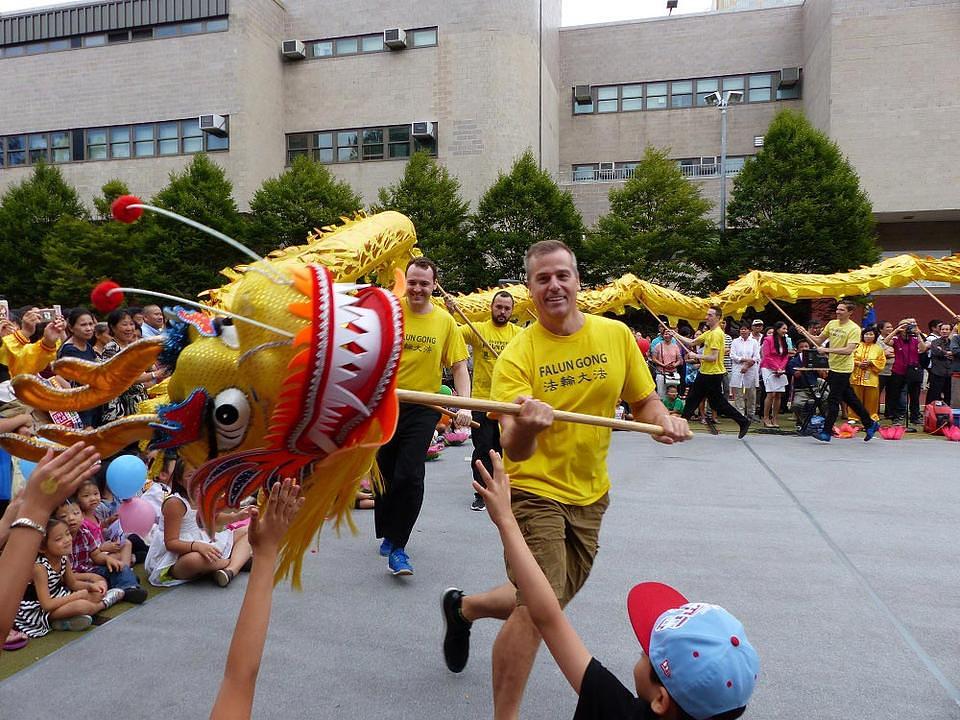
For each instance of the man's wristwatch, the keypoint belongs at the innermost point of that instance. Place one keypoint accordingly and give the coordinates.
(28, 523)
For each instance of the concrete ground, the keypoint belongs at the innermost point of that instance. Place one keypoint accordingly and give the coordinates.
(840, 559)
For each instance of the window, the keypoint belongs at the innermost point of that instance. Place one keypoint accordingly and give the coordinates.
(120, 142)
(582, 108)
(371, 43)
(58, 45)
(393, 142)
(142, 34)
(373, 144)
(38, 147)
(192, 136)
(97, 144)
(791, 92)
(322, 48)
(705, 88)
(165, 31)
(423, 38)
(735, 165)
(347, 46)
(60, 144)
(14, 51)
(732, 83)
(169, 136)
(191, 28)
(16, 150)
(216, 142)
(347, 146)
(94, 40)
(607, 99)
(584, 173)
(121, 36)
(681, 94)
(217, 25)
(656, 96)
(760, 87)
(143, 136)
(631, 98)
(624, 170)
(399, 137)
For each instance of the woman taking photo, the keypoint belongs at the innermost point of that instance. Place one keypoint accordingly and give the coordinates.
(868, 360)
(906, 373)
(124, 332)
(775, 354)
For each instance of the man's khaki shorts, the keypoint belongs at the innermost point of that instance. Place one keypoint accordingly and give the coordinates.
(562, 538)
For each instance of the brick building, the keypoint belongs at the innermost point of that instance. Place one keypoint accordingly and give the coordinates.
(118, 89)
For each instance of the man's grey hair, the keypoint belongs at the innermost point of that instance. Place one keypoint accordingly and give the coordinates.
(545, 247)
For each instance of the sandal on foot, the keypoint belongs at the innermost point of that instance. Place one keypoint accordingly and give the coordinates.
(223, 577)
(74, 624)
(15, 641)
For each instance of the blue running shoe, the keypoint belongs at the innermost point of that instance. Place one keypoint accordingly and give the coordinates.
(399, 562)
(871, 431)
(823, 436)
(386, 547)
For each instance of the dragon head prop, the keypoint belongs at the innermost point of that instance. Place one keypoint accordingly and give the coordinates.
(296, 378)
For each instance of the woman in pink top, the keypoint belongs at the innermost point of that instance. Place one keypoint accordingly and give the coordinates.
(773, 369)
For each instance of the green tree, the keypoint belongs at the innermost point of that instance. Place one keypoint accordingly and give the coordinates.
(28, 212)
(656, 227)
(521, 208)
(797, 207)
(111, 190)
(177, 258)
(304, 197)
(430, 196)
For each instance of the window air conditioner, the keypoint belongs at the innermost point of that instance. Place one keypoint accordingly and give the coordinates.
(606, 167)
(214, 124)
(395, 38)
(789, 76)
(424, 130)
(293, 50)
(581, 94)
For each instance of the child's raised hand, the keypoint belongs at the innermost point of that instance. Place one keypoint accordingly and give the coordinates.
(267, 527)
(496, 494)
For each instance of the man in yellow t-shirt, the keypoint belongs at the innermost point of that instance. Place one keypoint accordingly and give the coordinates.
(495, 333)
(431, 342)
(558, 471)
(844, 335)
(709, 382)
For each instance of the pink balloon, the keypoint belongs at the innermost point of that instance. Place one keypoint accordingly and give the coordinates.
(137, 516)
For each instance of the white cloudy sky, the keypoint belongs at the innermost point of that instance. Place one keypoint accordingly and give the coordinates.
(575, 12)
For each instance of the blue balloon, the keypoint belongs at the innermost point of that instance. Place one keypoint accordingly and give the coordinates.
(126, 476)
(27, 468)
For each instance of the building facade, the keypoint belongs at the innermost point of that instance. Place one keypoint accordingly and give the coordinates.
(120, 89)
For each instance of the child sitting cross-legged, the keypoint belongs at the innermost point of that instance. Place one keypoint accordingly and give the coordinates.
(56, 599)
(697, 662)
(110, 559)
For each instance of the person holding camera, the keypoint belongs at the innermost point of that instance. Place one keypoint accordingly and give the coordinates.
(906, 373)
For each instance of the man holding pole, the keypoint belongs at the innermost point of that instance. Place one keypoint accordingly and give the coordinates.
(565, 361)
(431, 340)
(487, 340)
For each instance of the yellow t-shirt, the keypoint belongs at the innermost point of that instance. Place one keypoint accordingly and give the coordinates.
(841, 336)
(429, 342)
(587, 372)
(713, 340)
(498, 338)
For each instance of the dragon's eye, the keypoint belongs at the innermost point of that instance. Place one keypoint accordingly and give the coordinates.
(231, 415)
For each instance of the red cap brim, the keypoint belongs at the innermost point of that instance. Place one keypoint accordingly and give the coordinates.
(647, 602)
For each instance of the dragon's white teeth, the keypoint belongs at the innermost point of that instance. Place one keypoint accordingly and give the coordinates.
(343, 396)
(340, 374)
(367, 320)
(341, 300)
(342, 335)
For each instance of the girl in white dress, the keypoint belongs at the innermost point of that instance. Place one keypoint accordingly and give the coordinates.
(182, 551)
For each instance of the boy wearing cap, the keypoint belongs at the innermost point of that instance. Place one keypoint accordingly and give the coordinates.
(697, 661)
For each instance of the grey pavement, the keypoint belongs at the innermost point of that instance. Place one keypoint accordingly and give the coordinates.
(840, 559)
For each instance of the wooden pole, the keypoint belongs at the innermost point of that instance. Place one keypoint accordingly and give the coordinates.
(937, 300)
(423, 398)
(793, 322)
(449, 298)
(686, 342)
(451, 413)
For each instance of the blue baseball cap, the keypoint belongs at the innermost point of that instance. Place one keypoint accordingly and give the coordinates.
(699, 651)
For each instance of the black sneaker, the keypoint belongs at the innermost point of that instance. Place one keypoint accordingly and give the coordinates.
(478, 504)
(456, 634)
(135, 595)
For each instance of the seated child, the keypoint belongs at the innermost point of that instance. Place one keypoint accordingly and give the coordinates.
(56, 599)
(109, 559)
(181, 551)
(697, 661)
(672, 401)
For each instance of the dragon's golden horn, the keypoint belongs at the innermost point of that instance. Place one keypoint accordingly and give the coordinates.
(28, 448)
(101, 382)
(108, 439)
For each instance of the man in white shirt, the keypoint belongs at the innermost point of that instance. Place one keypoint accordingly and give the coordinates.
(745, 376)
(152, 321)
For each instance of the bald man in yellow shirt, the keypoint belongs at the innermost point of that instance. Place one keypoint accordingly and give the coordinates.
(495, 333)
(558, 471)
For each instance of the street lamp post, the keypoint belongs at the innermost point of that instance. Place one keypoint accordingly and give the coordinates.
(723, 102)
